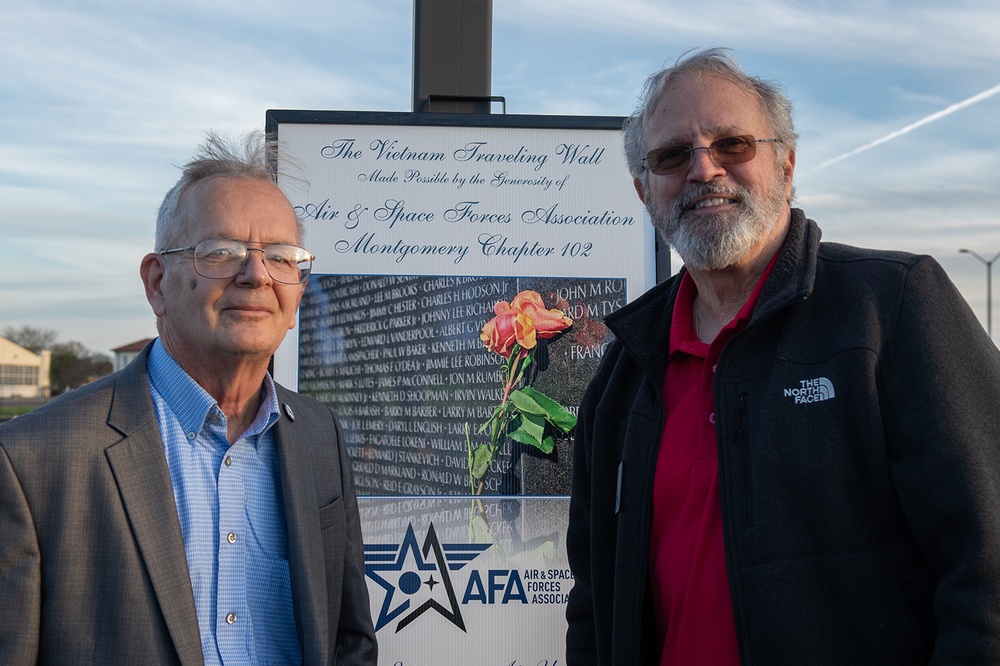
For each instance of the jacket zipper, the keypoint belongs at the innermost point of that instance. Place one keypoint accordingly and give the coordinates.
(745, 458)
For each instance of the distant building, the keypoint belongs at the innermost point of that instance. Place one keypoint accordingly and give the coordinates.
(125, 353)
(23, 374)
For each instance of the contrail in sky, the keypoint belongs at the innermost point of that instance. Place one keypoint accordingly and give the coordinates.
(909, 128)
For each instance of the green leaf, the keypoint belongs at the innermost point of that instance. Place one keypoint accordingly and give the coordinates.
(492, 421)
(525, 403)
(481, 457)
(556, 414)
(479, 530)
(526, 361)
(524, 437)
(531, 431)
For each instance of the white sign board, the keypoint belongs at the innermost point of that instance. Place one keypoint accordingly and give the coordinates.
(420, 224)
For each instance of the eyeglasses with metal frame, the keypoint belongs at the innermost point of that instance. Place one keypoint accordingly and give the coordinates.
(223, 258)
(726, 151)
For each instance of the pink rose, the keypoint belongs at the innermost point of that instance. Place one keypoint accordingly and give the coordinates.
(522, 322)
(507, 328)
(546, 323)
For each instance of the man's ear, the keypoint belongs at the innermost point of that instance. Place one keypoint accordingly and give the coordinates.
(639, 189)
(151, 270)
(788, 170)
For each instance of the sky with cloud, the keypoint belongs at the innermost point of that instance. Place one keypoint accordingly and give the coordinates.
(896, 105)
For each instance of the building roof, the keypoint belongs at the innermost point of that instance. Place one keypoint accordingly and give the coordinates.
(9, 348)
(134, 346)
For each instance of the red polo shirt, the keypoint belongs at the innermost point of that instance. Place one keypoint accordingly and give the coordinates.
(687, 558)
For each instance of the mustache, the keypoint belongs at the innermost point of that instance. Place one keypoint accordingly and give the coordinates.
(692, 192)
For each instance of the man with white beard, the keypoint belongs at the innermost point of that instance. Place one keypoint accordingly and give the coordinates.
(791, 452)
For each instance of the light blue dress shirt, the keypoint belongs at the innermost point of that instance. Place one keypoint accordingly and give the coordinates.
(232, 519)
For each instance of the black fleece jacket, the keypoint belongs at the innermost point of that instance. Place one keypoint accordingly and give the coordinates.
(858, 426)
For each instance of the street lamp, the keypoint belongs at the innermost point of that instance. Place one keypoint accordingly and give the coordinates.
(989, 287)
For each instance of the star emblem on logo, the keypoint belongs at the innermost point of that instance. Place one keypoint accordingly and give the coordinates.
(404, 569)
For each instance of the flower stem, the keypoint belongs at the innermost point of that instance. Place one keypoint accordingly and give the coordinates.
(468, 443)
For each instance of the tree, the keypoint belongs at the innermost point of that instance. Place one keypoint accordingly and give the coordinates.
(31, 338)
(73, 365)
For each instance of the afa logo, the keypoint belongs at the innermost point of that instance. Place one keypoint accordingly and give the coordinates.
(417, 579)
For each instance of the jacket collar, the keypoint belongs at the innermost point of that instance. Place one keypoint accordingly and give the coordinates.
(643, 326)
(305, 539)
(140, 469)
(794, 274)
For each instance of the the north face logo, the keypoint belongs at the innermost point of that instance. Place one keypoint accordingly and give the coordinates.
(811, 390)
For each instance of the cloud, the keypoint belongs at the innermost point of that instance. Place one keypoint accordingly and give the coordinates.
(915, 33)
(100, 103)
(986, 94)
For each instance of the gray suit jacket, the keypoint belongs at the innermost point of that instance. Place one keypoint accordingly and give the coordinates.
(92, 564)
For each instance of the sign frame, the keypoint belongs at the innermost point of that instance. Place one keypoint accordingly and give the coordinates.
(506, 605)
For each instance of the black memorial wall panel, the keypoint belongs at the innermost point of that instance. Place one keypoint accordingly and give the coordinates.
(400, 361)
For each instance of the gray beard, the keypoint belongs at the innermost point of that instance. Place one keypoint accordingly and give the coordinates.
(717, 241)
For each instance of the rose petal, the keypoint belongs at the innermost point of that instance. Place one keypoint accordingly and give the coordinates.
(546, 322)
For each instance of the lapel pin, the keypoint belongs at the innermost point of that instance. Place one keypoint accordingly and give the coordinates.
(288, 410)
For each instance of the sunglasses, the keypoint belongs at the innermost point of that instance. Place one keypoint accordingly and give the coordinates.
(726, 151)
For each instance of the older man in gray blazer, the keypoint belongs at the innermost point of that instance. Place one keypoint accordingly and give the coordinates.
(187, 509)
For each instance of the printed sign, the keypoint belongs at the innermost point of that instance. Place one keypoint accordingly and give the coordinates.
(455, 583)
(441, 241)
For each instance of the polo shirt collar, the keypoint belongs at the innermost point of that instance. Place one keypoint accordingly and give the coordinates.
(683, 337)
(192, 404)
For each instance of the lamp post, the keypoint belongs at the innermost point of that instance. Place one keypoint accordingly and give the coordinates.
(989, 287)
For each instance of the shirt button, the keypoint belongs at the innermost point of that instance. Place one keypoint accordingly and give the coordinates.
(231, 538)
(228, 461)
(231, 618)
(192, 435)
(711, 418)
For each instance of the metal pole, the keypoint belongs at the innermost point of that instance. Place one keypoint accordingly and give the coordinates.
(452, 55)
(989, 287)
